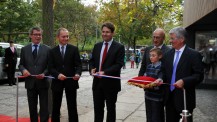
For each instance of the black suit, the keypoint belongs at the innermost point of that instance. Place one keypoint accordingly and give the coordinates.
(36, 87)
(69, 66)
(106, 89)
(190, 70)
(11, 61)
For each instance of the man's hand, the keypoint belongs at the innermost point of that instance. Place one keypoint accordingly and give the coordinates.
(76, 77)
(40, 76)
(26, 73)
(6, 65)
(100, 73)
(158, 82)
(61, 77)
(93, 71)
(179, 84)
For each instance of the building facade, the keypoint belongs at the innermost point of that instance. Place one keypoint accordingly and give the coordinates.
(200, 20)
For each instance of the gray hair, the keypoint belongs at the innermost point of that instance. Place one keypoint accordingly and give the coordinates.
(60, 29)
(34, 28)
(180, 32)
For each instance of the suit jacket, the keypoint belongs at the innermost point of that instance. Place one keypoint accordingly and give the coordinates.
(35, 66)
(10, 57)
(69, 66)
(189, 69)
(112, 66)
(146, 58)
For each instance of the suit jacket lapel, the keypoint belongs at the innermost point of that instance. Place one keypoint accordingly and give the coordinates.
(111, 48)
(29, 48)
(99, 51)
(57, 49)
(66, 52)
(172, 60)
(182, 58)
(40, 50)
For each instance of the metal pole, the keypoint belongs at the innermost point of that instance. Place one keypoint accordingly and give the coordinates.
(17, 99)
(185, 114)
(184, 94)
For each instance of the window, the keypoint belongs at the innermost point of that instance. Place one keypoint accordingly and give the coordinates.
(206, 44)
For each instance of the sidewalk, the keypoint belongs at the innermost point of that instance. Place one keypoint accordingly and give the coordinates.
(130, 108)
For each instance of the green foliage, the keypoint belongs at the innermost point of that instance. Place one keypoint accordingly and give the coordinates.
(17, 16)
(136, 20)
(80, 20)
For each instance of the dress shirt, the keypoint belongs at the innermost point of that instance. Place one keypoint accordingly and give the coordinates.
(102, 50)
(33, 47)
(61, 48)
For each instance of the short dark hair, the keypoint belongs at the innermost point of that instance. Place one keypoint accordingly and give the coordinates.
(34, 28)
(11, 41)
(108, 25)
(157, 50)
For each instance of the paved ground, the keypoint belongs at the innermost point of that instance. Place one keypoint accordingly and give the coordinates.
(130, 103)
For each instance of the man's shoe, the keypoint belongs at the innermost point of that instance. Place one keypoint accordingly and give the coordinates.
(10, 84)
(14, 84)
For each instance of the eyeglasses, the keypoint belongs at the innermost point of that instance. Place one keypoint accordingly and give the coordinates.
(37, 34)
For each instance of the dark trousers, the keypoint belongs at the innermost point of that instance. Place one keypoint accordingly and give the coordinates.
(32, 95)
(71, 96)
(10, 74)
(172, 114)
(100, 97)
(154, 110)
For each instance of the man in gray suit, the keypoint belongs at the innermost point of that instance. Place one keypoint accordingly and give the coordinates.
(33, 65)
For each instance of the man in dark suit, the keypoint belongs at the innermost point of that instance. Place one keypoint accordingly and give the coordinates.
(33, 65)
(183, 69)
(158, 42)
(107, 59)
(10, 63)
(65, 67)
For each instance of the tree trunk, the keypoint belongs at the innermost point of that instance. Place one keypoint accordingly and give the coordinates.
(47, 22)
(48, 37)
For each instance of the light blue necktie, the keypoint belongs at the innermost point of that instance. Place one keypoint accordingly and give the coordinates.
(174, 71)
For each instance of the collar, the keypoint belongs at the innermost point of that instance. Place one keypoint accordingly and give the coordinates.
(109, 43)
(159, 46)
(181, 49)
(35, 44)
(156, 64)
(62, 45)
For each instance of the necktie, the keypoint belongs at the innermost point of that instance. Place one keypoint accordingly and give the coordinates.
(174, 71)
(62, 52)
(104, 54)
(12, 49)
(34, 53)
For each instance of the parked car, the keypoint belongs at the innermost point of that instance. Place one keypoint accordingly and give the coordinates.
(85, 64)
(3, 46)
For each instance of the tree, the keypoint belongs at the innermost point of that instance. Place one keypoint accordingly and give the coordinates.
(136, 19)
(48, 21)
(78, 19)
(16, 18)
